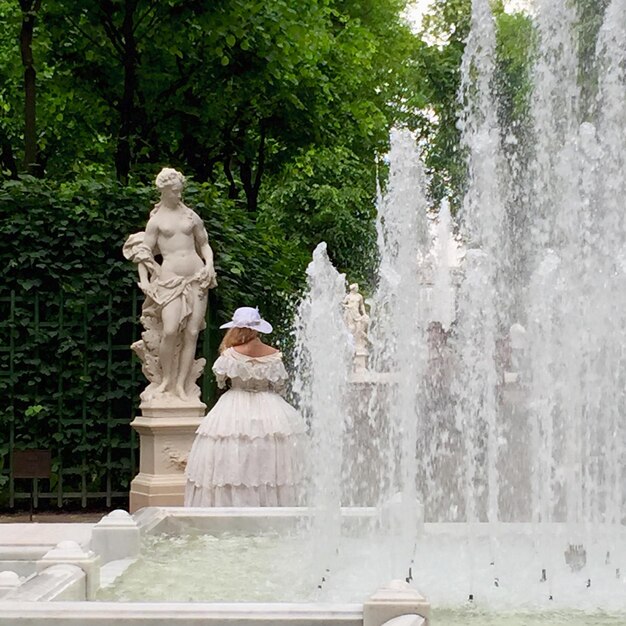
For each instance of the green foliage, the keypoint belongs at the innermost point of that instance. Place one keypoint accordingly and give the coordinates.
(327, 194)
(226, 90)
(68, 379)
(10, 85)
(69, 316)
(448, 20)
(436, 76)
(447, 26)
(276, 110)
(514, 52)
(590, 16)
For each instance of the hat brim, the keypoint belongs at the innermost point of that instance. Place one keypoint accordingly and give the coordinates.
(261, 326)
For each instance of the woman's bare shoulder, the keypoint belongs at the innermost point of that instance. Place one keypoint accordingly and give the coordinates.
(256, 350)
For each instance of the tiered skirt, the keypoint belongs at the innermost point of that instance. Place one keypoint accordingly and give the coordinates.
(248, 452)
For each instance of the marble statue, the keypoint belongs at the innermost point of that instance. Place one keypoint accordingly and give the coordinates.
(518, 341)
(358, 322)
(175, 291)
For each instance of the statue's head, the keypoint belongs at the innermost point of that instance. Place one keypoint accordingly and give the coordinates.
(169, 178)
(354, 288)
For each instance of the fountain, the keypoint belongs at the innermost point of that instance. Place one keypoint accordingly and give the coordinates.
(520, 438)
(323, 361)
(480, 444)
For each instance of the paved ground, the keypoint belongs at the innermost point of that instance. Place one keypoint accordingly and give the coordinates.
(85, 517)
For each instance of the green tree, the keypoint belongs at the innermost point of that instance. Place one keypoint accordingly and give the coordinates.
(590, 17)
(447, 27)
(327, 194)
(30, 9)
(103, 44)
(10, 90)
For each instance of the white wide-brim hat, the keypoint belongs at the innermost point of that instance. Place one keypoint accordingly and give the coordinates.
(248, 317)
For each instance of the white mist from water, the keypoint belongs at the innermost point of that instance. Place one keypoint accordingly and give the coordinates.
(398, 336)
(442, 298)
(550, 448)
(611, 63)
(575, 304)
(323, 362)
(542, 443)
(569, 454)
(480, 298)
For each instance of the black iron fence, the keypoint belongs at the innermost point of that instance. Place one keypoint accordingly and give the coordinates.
(70, 383)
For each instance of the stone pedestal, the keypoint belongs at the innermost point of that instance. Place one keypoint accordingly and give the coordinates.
(116, 536)
(165, 436)
(359, 361)
(365, 431)
(397, 604)
(9, 581)
(70, 553)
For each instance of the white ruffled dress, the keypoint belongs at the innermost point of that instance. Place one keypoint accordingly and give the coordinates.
(248, 449)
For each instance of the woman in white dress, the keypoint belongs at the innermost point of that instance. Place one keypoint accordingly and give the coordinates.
(248, 449)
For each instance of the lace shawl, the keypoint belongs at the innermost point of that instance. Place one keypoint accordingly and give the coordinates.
(232, 364)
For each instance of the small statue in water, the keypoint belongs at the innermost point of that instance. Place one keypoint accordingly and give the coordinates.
(176, 293)
(358, 322)
(517, 344)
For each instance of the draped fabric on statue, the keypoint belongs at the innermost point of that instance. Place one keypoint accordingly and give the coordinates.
(248, 450)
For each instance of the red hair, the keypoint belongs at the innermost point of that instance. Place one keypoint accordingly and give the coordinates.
(237, 337)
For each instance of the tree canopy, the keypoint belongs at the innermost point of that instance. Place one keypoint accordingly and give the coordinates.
(233, 88)
(275, 111)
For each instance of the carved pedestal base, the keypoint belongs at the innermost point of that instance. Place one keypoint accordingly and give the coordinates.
(165, 437)
(359, 362)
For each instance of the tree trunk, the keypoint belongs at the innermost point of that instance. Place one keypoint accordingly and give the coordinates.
(128, 117)
(6, 157)
(233, 191)
(245, 172)
(252, 182)
(29, 13)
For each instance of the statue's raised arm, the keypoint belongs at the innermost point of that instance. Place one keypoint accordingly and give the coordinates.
(176, 293)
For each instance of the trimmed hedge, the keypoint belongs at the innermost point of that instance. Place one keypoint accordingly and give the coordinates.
(67, 376)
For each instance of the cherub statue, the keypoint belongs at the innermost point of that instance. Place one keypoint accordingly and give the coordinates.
(176, 292)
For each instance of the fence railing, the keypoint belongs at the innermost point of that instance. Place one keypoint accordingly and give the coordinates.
(70, 383)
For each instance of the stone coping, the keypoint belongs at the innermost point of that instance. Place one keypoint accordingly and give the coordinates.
(179, 614)
(244, 519)
(43, 534)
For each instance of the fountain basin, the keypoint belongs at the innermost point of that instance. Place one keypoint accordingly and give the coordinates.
(501, 566)
(19, 605)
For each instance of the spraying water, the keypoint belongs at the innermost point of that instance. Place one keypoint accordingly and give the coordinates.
(611, 62)
(443, 305)
(398, 339)
(480, 298)
(323, 361)
(574, 232)
(523, 421)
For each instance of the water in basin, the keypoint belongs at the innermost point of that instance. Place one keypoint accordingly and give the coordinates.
(236, 567)
(516, 577)
(473, 617)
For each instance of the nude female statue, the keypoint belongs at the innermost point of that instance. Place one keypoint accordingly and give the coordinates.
(176, 290)
(358, 321)
(355, 314)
